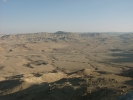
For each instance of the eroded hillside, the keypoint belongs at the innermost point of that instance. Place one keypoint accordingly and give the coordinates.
(65, 66)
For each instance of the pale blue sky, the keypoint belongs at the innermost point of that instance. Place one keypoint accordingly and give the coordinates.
(26, 16)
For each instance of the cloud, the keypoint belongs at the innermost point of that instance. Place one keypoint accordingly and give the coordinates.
(5, 0)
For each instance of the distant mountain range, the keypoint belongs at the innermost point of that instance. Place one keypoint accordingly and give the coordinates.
(58, 36)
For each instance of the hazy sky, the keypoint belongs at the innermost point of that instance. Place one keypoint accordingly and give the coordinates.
(26, 16)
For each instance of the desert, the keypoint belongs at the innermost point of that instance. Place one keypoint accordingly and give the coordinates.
(66, 66)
